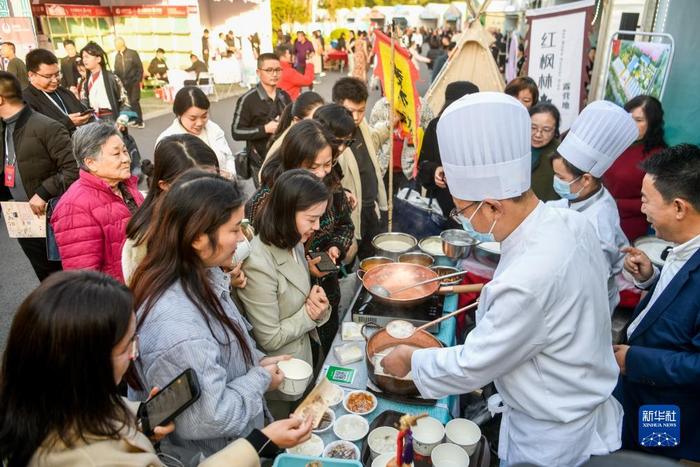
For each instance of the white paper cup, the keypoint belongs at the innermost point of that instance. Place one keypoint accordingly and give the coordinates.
(464, 433)
(427, 434)
(297, 374)
(449, 455)
(383, 460)
(382, 440)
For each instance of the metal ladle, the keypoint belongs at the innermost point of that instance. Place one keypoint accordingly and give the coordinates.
(384, 292)
(409, 329)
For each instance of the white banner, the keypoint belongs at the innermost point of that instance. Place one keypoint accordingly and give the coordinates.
(556, 57)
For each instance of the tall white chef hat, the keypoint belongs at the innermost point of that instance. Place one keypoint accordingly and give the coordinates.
(598, 136)
(484, 141)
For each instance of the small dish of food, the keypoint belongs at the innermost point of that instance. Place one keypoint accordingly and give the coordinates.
(342, 450)
(313, 447)
(326, 422)
(334, 396)
(360, 402)
(351, 427)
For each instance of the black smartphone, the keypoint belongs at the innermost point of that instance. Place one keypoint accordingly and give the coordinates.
(87, 111)
(170, 402)
(326, 264)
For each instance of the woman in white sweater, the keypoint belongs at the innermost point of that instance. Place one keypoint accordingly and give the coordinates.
(191, 109)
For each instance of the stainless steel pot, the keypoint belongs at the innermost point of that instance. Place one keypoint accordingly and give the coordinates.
(393, 244)
(415, 257)
(456, 243)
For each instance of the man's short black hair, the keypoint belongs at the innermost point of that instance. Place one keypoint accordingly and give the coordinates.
(12, 46)
(160, 51)
(676, 173)
(68, 42)
(266, 56)
(38, 57)
(193, 56)
(281, 49)
(10, 88)
(351, 89)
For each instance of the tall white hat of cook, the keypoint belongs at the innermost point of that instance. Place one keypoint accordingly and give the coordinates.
(598, 136)
(484, 141)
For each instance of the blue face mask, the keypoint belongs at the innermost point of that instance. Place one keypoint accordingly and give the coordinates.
(563, 188)
(469, 228)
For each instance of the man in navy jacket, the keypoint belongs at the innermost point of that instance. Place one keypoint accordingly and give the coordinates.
(660, 362)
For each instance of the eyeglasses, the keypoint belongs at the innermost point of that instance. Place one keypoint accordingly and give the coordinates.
(56, 76)
(544, 130)
(271, 70)
(455, 214)
(343, 142)
(134, 348)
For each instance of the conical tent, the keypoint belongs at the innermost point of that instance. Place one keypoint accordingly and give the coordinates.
(471, 61)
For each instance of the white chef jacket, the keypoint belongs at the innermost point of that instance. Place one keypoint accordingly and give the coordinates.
(601, 210)
(543, 336)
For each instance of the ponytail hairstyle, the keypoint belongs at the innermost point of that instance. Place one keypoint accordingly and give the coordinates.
(298, 110)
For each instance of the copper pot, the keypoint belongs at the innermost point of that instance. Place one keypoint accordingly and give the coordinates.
(382, 340)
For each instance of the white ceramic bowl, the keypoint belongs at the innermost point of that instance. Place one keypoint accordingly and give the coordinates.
(464, 433)
(427, 434)
(347, 397)
(338, 395)
(382, 440)
(350, 427)
(313, 447)
(329, 448)
(331, 415)
(297, 374)
(449, 455)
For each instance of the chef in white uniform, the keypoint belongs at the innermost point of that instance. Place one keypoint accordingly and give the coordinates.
(543, 327)
(596, 139)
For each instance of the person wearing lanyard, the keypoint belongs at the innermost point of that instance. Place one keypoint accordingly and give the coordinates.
(543, 332)
(46, 96)
(660, 357)
(38, 164)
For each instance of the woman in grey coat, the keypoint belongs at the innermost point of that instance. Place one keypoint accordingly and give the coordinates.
(186, 318)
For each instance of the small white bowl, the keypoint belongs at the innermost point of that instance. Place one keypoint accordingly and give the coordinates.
(464, 433)
(313, 447)
(329, 448)
(297, 374)
(338, 394)
(347, 397)
(383, 435)
(427, 434)
(384, 459)
(449, 455)
(350, 427)
(332, 417)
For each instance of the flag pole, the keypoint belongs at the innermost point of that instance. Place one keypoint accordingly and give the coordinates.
(390, 98)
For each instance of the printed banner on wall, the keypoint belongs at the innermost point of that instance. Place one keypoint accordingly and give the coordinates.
(636, 68)
(556, 58)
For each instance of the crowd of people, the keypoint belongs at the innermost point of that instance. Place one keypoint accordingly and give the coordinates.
(137, 287)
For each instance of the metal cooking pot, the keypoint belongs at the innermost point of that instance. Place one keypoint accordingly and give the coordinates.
(393, 244)
(415, 257)
(374, 261)
(456, 243)
(382, 340)
(394, 276)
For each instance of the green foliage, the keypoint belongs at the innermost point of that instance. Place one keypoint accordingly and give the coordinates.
(289, 11)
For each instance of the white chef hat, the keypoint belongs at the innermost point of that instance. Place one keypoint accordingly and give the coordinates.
(598, 136)
(484, 141)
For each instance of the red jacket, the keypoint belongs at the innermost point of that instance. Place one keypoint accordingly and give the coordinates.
(90, 225)
(624, 182)
(292, 81)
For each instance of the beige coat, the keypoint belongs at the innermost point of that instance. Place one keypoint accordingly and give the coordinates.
(275, 300)
(374, 137)
(134, 449)
(276, 145)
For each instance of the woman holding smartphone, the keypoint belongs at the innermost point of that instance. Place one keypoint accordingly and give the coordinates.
(280, 302)
(61, 414)
(186, 318)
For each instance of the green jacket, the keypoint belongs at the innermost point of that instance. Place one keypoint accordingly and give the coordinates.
(542, 172)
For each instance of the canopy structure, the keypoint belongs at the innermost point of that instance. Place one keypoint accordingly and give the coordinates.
(471, 61)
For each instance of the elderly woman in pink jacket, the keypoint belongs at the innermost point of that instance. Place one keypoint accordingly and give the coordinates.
(91, 217)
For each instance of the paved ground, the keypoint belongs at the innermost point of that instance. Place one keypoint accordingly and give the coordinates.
(17, 278)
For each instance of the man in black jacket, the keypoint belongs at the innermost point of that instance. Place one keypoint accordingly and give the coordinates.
(46, 96)
(129, 69)
(38, 163)
(68, 65)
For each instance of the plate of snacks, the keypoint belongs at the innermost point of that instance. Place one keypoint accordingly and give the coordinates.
(360, 402)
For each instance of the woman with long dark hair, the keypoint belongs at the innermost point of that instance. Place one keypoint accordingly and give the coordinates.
(300, 109)
(172, 157)
(624, 178)
(280, 302)
(544, 140)
(102, 90)
(308, 145)
(186, 318)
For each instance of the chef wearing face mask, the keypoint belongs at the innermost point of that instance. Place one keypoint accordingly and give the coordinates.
(597, 137)
(543, 328)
